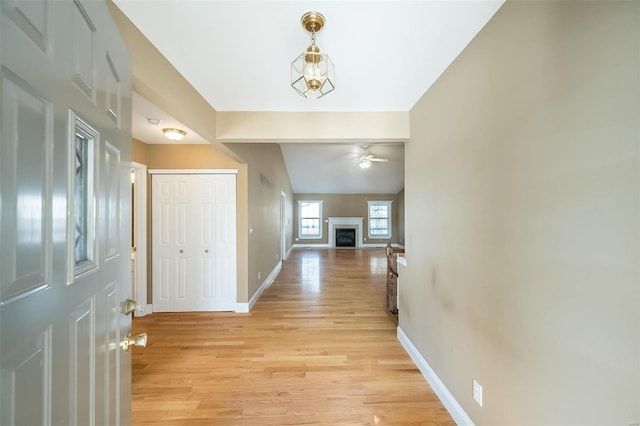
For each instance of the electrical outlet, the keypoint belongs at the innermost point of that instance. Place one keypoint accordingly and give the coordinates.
(477, 392)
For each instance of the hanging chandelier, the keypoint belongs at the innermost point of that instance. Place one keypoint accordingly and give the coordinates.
(312, 73)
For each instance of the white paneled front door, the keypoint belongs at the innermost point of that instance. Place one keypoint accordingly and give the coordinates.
(65, 122)
(194, 242)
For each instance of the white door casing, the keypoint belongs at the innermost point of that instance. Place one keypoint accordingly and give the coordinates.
(139, 236)
(283, 225)
(194, 242)
(65, 117)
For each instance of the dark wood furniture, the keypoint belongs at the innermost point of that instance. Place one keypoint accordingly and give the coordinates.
(392, 280)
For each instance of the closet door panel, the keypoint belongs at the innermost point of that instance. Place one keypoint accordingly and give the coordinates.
(194, 242)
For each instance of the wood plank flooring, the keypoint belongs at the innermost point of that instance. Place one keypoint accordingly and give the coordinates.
(318, 348)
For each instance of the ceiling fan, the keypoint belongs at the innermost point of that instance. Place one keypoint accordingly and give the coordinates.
(366, 159)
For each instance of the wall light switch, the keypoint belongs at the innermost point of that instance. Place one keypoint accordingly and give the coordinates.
(477, 392)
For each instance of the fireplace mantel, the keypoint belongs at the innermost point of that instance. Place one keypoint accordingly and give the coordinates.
(335, 221)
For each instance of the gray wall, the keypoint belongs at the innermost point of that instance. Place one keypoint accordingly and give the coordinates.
(522, 217)
(347, 205)
(267, 178)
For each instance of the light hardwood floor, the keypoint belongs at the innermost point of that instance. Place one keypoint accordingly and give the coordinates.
(317, 349)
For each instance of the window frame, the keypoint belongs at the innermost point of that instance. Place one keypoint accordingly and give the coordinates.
(315, 236)
(79, 128)
(389, 228)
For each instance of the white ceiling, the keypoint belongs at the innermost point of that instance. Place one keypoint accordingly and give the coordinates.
(147, 132)
(237, 55)
(333, 168)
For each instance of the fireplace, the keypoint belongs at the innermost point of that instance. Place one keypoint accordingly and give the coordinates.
(344, 222)
(345, 237)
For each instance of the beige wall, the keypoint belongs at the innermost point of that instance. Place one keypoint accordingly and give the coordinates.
(178, 156)
(522, 217)
(401, 217)
(269, 126)
(267, 178)
(347, 205)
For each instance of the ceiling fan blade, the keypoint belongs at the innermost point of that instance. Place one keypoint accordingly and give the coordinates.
(381, 160)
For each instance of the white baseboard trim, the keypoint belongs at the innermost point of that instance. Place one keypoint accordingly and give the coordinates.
(447, 399)
(142, 310)
(380, 245)
(245, 307)
(242, 308)
(286, 256)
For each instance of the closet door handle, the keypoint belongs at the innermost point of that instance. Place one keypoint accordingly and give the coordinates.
(206, 250)
(181, 251)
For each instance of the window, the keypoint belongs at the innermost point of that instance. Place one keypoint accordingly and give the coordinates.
(310, 219)
(83, 158)
(379, 219)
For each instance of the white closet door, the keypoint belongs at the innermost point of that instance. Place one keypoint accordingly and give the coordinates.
(194, 261)
(225, 240)
(170, 260)
(203, 244)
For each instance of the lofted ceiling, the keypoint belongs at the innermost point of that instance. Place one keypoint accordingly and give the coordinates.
(333, 168)
(237, 55)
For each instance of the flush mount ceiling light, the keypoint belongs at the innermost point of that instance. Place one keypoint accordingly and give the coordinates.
(174, 134)
(312, 73)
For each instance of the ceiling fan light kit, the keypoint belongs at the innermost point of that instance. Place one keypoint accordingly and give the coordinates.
(366, 159)
(312, 72)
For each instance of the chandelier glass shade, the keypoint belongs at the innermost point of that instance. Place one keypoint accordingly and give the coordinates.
(312, 72)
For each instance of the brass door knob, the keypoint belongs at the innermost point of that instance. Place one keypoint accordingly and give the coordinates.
(139, 340)
(128, 306)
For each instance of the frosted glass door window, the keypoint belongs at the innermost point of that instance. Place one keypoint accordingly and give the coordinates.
(81, 198)
(82, 234)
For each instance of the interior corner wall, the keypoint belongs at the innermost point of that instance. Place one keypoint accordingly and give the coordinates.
(523, 217)
(267, 177)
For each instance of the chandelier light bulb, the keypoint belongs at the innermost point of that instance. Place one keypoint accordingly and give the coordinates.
(313, 77)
